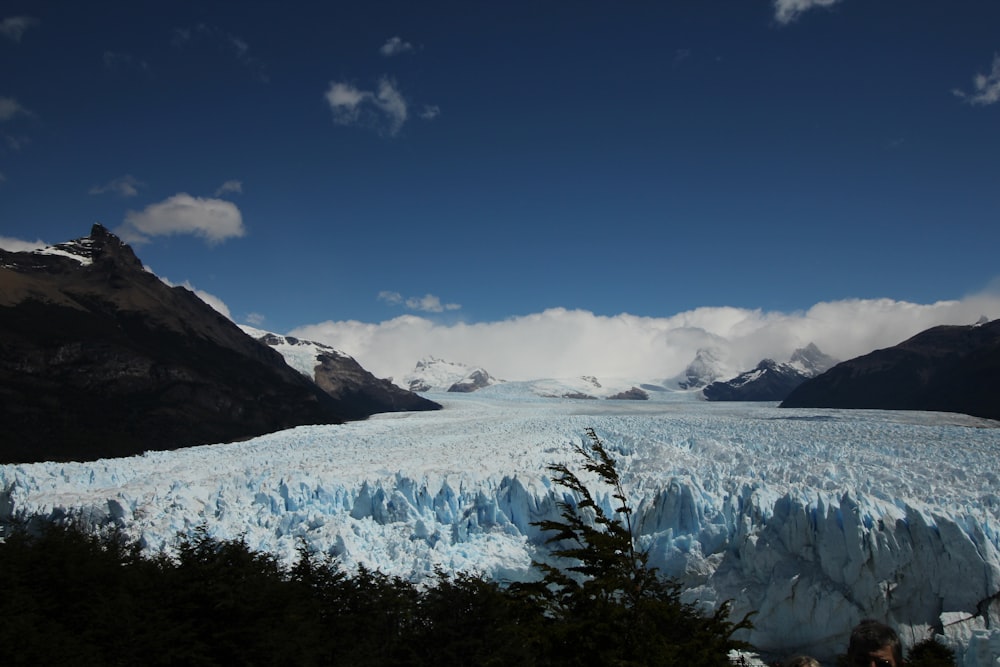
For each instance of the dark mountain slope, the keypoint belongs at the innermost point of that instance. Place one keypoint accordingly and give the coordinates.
(100, 358)
(946, 368)
(769, 381)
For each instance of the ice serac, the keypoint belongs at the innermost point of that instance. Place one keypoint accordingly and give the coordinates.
(812, 518)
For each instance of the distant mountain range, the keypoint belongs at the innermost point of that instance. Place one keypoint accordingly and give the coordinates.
(771, 381)
(100, 358)
(945, 368)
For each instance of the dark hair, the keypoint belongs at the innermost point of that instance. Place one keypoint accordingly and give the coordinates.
(871, 635)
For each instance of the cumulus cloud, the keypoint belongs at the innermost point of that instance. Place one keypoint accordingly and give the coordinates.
(123, 186)
(430, 112)
(11, 108)
(384, 108)
(986, 87)
(569, 343)
(17, 245)
(427, 303)
(228, 187)
(786, 11)
(395, 46)
(13, 27)
(214, 220)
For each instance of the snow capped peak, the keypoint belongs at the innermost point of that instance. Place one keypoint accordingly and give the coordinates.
(709, 364)
(302, 355)
(810, 361)
(433, 374)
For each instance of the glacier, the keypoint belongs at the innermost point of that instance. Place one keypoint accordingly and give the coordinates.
(814, 518)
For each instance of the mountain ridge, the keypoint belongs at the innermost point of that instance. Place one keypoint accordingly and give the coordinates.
(100, 358)
(949, 368)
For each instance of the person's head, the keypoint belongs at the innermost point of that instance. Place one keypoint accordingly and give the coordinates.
(874, 644)
(802, 661)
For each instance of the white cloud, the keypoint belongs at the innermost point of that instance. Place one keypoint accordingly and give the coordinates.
(17, 245)
(786, 11)
(214, 220)
(230, 187)
(427, 303)
(13, 27)
(394, 46)
(987, 87)
(384, 108)
(569, 343)
(430, 112)
(392, 298)
(11, 108)
(255, 319)
(123, 186)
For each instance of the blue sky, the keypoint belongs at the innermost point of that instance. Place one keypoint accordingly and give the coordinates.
(475, 162)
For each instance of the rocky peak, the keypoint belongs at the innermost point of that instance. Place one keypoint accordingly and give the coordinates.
(810, 361)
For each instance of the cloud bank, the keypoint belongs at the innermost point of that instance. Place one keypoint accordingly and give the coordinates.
(214, 220)
(568, 343)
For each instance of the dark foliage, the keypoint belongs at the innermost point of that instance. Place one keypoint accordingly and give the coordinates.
(930, 653)
(69, 597)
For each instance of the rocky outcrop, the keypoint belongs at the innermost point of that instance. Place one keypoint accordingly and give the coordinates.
(477, 379)
(360, 392)
(946, 368)
(99, 358)
(633, 394)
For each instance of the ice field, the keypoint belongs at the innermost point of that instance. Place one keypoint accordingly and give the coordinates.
(814, 518)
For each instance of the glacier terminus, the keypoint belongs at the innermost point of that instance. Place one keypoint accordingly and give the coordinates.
(814, 518)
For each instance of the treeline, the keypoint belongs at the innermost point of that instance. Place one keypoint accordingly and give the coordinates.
(71, 597)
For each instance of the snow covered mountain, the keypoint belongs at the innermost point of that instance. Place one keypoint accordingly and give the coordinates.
(771, 381)
(707, 366)
(432, 374)
(815, 518)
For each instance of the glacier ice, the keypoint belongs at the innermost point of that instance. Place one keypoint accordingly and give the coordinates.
(814, 518)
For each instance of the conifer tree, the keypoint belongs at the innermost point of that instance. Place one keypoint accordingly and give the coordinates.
(608, 605)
